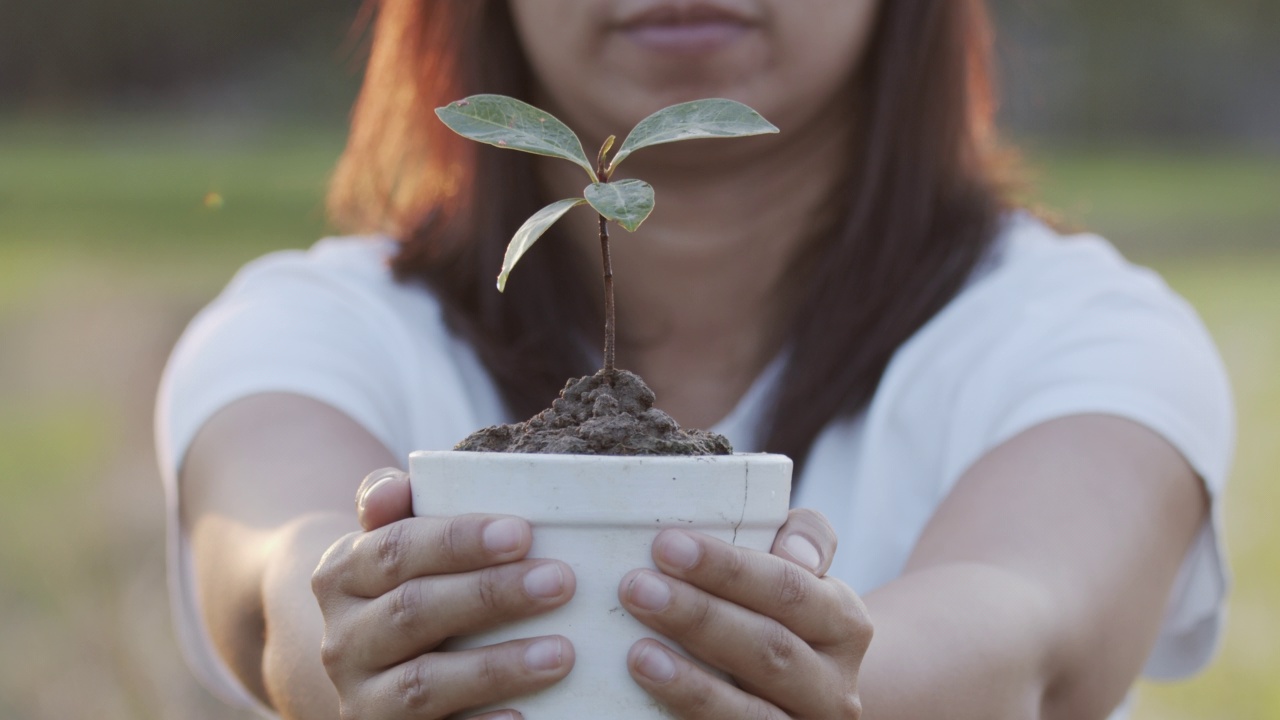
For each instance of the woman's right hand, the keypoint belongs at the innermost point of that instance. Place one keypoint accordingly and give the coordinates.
(392, 594)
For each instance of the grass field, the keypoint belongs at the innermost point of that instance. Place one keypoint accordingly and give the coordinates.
(108, 244)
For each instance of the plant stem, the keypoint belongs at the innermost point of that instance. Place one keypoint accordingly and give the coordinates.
(609, 324)
(610, 338)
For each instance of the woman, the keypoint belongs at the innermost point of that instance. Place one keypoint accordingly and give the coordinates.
(1016, 437)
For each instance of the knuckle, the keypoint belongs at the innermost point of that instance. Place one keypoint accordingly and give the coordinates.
(700, 616)
(855, 617)
(491, 671)
(332, 566)
(793, 587)
(322, 579)
(848, 611)
(488, 591)
(391, 550)
(758, 710)
(332, 650)
(413, 687)
(404, 607)
(735, 569)
(848, 706)
(701, 698)
(863, 632)
(778, 651)
(452, 543)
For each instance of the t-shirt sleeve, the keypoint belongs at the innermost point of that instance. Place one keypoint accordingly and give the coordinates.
(1102, 336)
(286, 323)
(309, 323)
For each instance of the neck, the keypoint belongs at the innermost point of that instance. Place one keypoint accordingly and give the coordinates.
(702, 289)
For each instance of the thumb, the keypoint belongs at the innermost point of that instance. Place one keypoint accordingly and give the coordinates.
(808, 539)
(383, 498)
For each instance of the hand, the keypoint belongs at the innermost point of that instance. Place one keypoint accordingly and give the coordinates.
(792, 639)
(392, 594)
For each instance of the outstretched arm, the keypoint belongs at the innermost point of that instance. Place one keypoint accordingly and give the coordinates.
(267, 487)
(267, 496)
(1036, 591)
(1038, 588)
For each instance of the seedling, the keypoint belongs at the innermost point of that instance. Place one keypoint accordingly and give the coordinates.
(509, 123)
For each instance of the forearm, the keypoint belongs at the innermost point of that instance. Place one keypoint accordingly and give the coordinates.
(1038, 588)
(267, 487)
(958, 641)
(295, 680)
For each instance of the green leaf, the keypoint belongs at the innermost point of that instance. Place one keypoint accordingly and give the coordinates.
(710, 118)
(505, 122)
(530, 231)
(626, 202)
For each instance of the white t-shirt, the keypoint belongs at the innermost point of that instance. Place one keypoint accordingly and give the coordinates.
(1047, 327)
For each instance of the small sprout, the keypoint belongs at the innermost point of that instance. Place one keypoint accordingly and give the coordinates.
(509, 123)
(604, 153)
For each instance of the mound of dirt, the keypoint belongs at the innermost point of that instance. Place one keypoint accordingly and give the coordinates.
(609, 413)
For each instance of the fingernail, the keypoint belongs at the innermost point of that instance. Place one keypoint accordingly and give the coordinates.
(655, 664)
(679, 550)
(544, 581)
(503, 536)
(364, 496)
(650, 592)
(804, 552)
(545, 654)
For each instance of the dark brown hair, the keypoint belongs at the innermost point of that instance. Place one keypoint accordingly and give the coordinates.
(922, 201)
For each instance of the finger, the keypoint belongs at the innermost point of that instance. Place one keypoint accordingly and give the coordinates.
(421, 613)
(440, 684)
(371, 564)
(690, 692)
(817, 610)
(383, 498)
(807, 539)
(766, 658)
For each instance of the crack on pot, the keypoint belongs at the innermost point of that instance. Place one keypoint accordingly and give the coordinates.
(746, 490)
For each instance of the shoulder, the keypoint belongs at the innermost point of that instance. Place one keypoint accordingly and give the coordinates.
(334, 265)
(1054, 325)
(330, 323)
(340, 293)
(1033, 270)
(1036, 282)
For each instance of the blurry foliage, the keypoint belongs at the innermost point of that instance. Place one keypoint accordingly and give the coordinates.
(1155, 70)
(72, 54)
(1089, 69)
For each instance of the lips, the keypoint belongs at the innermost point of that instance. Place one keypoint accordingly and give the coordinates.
(685, 26)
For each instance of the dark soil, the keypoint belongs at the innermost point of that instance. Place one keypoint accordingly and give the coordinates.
(609, 413)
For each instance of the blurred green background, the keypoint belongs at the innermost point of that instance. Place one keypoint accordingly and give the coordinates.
(149, 148)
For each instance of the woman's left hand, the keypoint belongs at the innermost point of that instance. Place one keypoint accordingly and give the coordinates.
(792, 639)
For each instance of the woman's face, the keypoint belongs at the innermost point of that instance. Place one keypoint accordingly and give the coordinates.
(602, 65)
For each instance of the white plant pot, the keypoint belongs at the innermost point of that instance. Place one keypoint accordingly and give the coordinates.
(600, 515)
